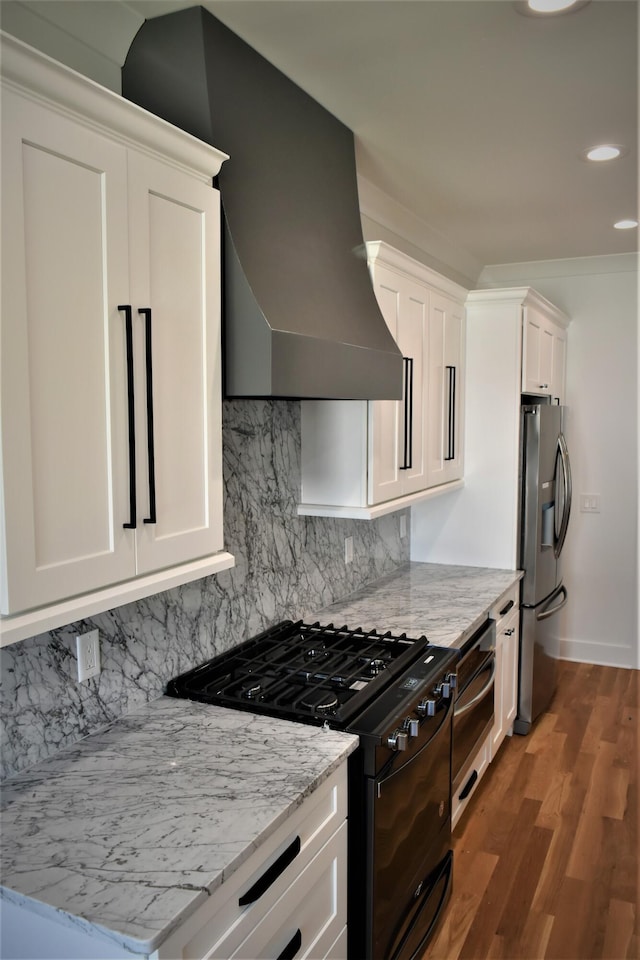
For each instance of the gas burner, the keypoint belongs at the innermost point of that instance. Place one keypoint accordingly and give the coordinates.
(313, 653)
(251, 693)
(320, 701)
(375, 666)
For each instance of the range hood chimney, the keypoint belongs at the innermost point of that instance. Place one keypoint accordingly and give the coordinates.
(300, 315)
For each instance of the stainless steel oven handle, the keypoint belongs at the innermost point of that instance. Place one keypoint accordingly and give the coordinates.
(468, 706)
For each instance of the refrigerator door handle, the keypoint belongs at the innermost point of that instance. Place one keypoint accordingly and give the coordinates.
(547, 611)
(565, 467)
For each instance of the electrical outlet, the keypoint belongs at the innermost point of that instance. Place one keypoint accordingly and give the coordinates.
(88, 655)
(348, 549)
(589, 503)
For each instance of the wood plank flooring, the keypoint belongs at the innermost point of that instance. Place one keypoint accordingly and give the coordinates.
(546, 853)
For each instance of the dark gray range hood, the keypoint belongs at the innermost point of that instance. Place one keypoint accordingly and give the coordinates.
(300, 315)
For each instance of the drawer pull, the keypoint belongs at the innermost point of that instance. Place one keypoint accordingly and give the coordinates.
(468, 787)
(507, 608)
(270, 876)
(292, 947)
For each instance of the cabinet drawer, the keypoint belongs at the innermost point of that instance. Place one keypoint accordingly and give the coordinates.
(479, 765)
(226, 917)
(506, 604)
(306, 919)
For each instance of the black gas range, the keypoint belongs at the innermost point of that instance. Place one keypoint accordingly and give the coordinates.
(396, 693)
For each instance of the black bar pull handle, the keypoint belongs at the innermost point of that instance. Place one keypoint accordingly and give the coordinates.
(468, 787)
(270, 876)
(146, 313)
(451, 426)
(407, 459)
(126, 309)
(506, 609)
(292, 947)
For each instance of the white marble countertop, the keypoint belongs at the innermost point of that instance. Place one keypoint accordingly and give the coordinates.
(445, 603)
(128, 831)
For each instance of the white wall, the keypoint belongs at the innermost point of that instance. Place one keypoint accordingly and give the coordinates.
(600, 561)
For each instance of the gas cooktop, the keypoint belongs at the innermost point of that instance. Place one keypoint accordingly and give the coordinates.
(306, 672)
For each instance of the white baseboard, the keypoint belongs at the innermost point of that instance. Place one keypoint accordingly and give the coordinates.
(601, 654)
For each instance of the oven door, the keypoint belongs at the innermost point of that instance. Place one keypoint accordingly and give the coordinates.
(474, 708)
(409, 811)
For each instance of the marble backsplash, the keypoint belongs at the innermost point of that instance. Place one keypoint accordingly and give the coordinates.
(286, 567)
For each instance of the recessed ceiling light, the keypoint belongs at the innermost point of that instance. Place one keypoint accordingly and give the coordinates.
(626, 224)
(604, 151)
(546, 8)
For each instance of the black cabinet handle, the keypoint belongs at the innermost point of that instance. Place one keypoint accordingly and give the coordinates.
(146, 313)
(407, 461)
(126, 309)
(506, 609)
(451, 426)
(468, 787)
(292, 947)
(270, 876)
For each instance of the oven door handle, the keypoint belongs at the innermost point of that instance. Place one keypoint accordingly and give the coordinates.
(425, 746)
(469, 706)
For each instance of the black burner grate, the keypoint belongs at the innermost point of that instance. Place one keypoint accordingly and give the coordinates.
(303, 671)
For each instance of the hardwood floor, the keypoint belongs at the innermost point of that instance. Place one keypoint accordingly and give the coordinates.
(546, 854)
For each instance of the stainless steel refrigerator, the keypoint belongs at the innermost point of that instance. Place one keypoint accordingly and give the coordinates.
(545, 505)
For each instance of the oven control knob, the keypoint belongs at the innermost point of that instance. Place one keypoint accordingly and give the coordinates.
(426, 708)
(398, 740)
(443, 690)
(412, 726)
(452, 680)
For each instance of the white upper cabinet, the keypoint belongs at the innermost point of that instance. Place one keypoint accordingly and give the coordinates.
(544, 348)
(363, 459)
(111, 398)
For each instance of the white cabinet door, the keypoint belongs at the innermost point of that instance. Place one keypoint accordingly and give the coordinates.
(64, 442)
(559, 364)
(174, 237)
(506, 678)
(386, 417)
(510, 670)
(414, 344)
(446, 390)
(397, 429)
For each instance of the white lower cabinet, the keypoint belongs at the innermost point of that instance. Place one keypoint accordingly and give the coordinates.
(301, 906)
(362, 459)
(506, 677)
(111, 382)
(506, 613)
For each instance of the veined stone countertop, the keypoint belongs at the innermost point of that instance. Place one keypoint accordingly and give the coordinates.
(127, 832)
(445, 603)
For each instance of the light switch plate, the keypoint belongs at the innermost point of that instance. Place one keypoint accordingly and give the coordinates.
(589, 503)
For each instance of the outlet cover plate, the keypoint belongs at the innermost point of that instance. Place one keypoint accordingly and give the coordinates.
(88, 654)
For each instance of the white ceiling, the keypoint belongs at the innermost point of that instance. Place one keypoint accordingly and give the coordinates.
(469, 114)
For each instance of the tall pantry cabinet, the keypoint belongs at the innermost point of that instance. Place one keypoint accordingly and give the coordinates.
(111, 399)
(363, 458)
